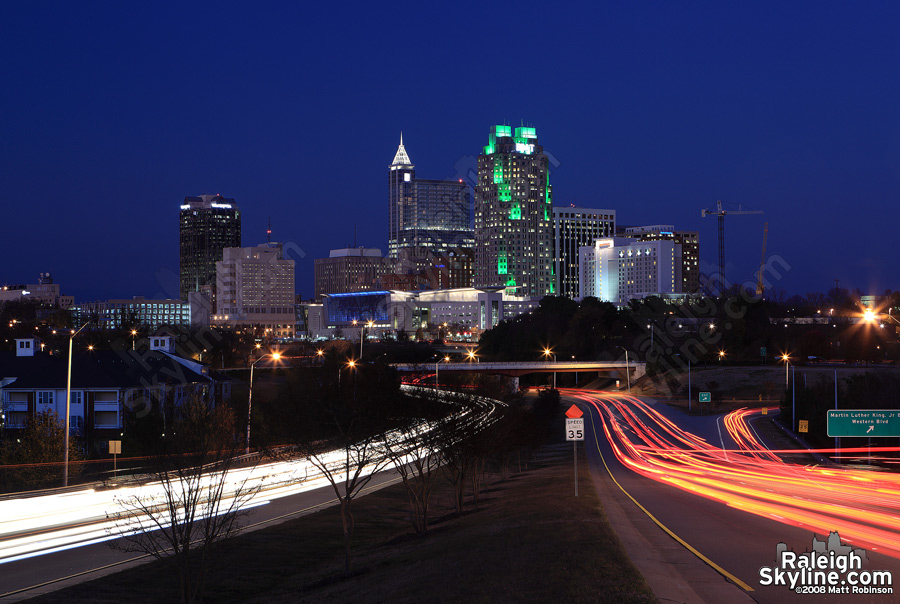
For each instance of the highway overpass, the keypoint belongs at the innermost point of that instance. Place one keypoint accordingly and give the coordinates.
(612, 369)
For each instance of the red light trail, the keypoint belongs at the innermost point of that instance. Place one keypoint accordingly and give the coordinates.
(862, 505)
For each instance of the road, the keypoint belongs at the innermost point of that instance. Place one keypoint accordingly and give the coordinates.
(53, 540)
(49, 570)
(713, 483)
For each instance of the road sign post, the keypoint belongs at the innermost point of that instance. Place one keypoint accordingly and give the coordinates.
(115, 447)
(863, 422)
(575, 433)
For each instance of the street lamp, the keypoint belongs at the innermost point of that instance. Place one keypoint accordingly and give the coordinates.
(627, 370)
(68, 407)
(275, 356)
(548, 353)
(721, 355)
(787, 362)
(133, 334)
(689, 380)
(472, 356)
(437, 384)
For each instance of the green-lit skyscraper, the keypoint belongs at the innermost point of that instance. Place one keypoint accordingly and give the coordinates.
(513, 217)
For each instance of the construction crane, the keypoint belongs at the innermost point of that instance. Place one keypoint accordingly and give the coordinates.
(720, 214)
(760, 288)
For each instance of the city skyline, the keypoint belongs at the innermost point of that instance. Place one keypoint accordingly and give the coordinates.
(653, 111)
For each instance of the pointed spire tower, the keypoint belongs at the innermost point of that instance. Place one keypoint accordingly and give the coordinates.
(401, 191)
(401, 158)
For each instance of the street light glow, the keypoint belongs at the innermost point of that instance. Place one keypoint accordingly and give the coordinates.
(869, 315)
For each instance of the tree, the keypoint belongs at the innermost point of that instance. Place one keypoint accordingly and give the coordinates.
(195, 501)
(414, 449)
(338, 425)
(35, 453)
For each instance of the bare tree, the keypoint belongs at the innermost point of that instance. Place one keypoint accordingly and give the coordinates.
(416, 454)
(340, 428)
(195, 501)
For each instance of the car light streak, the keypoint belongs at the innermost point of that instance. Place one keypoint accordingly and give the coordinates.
(862, 505)
(38, 525)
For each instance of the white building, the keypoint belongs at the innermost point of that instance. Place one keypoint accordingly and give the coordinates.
(390, 312)
(255, 287)
(619, 269)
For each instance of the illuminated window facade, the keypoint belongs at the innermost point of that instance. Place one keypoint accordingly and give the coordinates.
(135, 312)
(434, 215)
(619, 269)
(574, 228)
(255, 287)
(207, 224)
(513, 215)
(690, 250)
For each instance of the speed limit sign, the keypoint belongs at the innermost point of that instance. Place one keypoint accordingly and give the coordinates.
(575, 429)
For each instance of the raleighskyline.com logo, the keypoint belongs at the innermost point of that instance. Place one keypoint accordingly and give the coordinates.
(830, 568)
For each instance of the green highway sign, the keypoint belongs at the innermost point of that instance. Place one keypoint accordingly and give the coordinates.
(762, 351)
(705, 397)
(863, 422)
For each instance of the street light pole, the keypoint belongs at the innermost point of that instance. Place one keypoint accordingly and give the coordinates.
(689, 389)
(627, 369)
(68, 408)
(275, 356)
(547, 353)
(794, 401)
(437, 384)
(837, 439)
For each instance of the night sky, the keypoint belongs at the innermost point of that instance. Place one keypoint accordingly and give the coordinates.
(111, 113)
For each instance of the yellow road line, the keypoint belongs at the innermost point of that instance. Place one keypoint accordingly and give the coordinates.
(687, 545)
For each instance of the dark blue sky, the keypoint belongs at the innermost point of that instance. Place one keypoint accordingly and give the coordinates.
(111, 113)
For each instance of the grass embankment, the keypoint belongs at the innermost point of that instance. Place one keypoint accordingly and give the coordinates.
(528, 539)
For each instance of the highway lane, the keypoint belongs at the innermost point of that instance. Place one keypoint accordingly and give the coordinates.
(48, 572)
(680, 473)
(65, 537)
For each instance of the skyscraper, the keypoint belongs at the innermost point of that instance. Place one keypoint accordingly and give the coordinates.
(513, 222)
(431, 215)
(208, 224)
(574, 228)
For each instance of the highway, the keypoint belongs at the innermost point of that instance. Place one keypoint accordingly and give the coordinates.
(51, 540)
(713, 484)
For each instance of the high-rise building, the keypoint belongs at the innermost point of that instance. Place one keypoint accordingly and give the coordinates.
(619, 269)
(690, 250)
(434, 215)
(208, 224)
(574, 228)
(513, 221)
(346, 270)
(255, 287)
